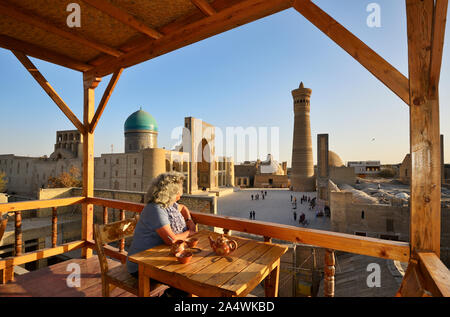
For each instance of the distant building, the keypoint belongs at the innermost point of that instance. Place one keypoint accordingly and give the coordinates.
(404, 172)
(262, 174)
(132, 170)
(365, 168)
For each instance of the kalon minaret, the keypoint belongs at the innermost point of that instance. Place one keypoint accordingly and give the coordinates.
(302, 177)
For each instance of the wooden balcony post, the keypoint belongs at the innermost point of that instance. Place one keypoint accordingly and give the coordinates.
(105, 215)
(54, 227)
(18, 233)
(425, 202)
(89, 85)
(328, 283)
(122, 241)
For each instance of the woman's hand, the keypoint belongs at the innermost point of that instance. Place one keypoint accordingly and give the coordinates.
(168, 236)
(187, 217)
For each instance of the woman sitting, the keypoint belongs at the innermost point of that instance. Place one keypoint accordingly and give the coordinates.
(162, 220)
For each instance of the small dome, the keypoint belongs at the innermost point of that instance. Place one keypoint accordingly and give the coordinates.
(334, 159)
(141, 120)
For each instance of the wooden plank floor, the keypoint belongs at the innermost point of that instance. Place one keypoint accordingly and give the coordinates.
(52, 281)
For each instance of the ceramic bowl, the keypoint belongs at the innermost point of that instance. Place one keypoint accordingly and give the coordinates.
(192, 242)
(184, 256)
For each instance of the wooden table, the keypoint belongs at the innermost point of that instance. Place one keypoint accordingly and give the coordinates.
(210, 275)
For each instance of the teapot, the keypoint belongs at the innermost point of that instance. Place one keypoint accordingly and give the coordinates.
(222, 246)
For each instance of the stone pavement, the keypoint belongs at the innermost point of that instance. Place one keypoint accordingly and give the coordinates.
(276, 207)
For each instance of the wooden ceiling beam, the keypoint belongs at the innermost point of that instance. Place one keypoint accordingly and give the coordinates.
(124, 17)
(224, 20)
(33, 50)
(31, 18)
(29, 66)
(105, 99)
(171, 27)
(368, 58)
(204, 6)
(437, 46)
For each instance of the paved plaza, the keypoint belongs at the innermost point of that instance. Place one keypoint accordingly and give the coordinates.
(276, 207)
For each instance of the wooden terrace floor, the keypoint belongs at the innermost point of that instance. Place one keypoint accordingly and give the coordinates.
(52, 281)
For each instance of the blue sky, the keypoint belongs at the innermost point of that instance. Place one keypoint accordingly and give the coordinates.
(241, 78)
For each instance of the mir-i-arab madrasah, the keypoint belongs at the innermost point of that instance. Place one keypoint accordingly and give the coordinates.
(132, 170)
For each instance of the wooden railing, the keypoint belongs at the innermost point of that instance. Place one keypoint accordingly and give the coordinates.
(7, 264)
(436, 272)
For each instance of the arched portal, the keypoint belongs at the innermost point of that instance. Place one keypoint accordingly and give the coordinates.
(204, 165)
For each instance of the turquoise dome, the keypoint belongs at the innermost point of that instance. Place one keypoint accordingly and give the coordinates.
(141, 120)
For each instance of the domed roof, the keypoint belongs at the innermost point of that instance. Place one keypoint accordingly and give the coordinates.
(334, 159)
(141, 120)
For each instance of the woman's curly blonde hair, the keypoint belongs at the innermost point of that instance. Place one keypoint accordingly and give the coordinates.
(164, 188)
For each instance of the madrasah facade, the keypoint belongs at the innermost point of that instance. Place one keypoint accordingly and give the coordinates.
(132, 170)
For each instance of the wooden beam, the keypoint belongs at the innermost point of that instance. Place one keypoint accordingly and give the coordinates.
(87, 210)
(435, 274)
(229, 18)
(368, 58)
(40, 254)
(204, 6)
(380, 248)
(437, 46)
(105, 99)
(42, 53)
(171, 27)
(425, 201)
(124, 17)
(413, 284)
(31, 18)
(116, 204)
(49, 90)
(37, 204)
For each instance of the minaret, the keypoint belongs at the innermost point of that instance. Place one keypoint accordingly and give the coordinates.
(302, 178)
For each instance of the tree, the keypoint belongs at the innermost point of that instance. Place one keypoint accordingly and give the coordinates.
(65, 179)
(3, 182)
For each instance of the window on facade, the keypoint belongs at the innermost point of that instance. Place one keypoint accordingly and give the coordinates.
(389, 225)
(135, 161)
(117, 161)
(117, 173)
(104, 161)
(104, 174)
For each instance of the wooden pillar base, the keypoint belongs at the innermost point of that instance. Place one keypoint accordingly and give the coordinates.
(7, 275)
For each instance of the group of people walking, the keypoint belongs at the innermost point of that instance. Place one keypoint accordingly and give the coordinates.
(256, 196)
(302, 218)
(262, 195)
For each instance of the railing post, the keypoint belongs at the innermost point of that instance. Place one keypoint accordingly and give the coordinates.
(122, 241)
(328, 285)
(54, 227)
(18, 233)
(105, 215)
